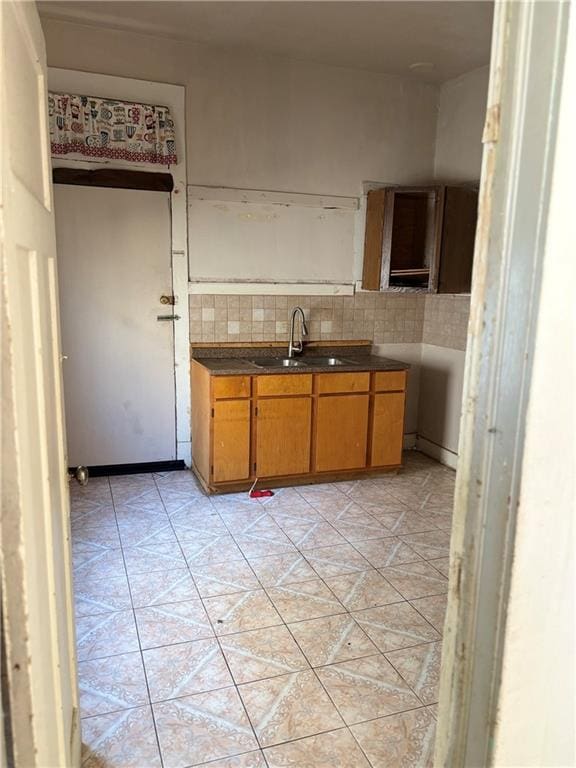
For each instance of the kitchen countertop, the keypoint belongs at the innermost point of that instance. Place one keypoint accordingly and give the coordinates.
(236, 361)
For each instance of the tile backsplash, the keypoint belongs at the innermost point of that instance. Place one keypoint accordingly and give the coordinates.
(381, 317)
(446, 320)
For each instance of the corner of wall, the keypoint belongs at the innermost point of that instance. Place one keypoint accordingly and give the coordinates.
(436, 376)
(459, 124)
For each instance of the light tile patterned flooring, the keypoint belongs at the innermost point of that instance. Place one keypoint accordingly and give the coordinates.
(301, 630)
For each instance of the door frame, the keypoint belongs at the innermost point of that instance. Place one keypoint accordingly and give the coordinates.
(173, 96)
(528, 51)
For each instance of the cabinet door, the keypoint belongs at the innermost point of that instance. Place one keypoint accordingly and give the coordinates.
(283, 427)
(231, 440)
(375, 203)
(387, 429)
(341, 432)
(458, 234)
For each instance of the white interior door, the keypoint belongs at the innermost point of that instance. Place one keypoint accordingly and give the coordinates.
(38, 628)
(114, 265)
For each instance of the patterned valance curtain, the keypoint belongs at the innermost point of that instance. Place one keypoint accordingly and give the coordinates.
(106, 128)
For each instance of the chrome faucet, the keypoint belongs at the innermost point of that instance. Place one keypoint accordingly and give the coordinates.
(297, 346)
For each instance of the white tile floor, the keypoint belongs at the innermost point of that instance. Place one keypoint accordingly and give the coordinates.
(302, 630)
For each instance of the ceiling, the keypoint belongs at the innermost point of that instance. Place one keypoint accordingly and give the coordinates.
(448, 38)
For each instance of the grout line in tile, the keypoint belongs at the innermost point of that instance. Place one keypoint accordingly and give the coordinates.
(440, 631)
(208, 763)
(141, 653)
(361, 748)
(235, 685)
(301, 738)
(423, 597)
(415, 645)
(187, 695)
(115, 711)
(389, 566)
(370, 719)
(342, 727)
(431, 562)
(440, 640)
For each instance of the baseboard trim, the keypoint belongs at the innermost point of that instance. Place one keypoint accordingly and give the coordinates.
(409, 442)
(438, 452)
(102, 470)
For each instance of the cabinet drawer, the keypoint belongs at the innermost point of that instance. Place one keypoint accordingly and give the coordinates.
(390, 381)
(230, 386)
(343, 382)
(284, 384)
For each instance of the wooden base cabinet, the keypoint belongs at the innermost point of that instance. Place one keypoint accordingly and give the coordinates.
(294, 428)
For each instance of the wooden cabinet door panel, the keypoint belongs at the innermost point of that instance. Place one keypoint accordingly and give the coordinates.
(231, 440)
(458, 236)
(387, 429)
(341, 432)
(375, 203)
(283, 428)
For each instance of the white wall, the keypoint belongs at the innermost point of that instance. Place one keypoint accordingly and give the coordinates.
(269, 123)
(536, 712)
(461, 112)
(440, 399)
(263, 122)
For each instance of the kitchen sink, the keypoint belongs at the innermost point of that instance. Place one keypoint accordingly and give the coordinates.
(330, 361)
(278, 362)
(298, 362)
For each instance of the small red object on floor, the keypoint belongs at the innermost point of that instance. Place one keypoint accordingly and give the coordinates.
(254, 494)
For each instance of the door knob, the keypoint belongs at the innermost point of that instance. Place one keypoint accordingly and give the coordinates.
(167, 300)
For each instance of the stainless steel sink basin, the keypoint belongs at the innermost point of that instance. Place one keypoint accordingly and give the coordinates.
(278, 362)
(298, 362)
(330, 361)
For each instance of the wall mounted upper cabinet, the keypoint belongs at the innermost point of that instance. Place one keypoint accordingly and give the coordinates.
(420, 238)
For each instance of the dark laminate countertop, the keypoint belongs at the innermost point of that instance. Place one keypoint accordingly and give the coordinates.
(225, 361)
